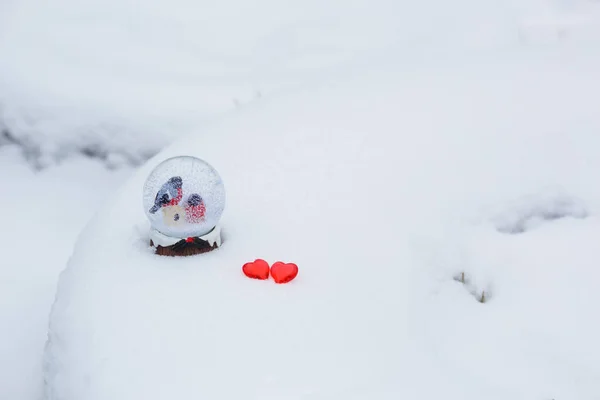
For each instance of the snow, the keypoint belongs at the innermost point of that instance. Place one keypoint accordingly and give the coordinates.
(391, 186)
(119, 80)
(462, 134)
(42, 213)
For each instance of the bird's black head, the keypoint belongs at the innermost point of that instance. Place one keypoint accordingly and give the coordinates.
(176, 181)
(194, 200)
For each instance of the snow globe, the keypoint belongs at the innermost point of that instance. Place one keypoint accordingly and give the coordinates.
(184, 198)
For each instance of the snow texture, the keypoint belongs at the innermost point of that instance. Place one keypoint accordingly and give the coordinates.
(42, 214)
(383, 186)
(118, 80)
(531, 211)
(450, 154)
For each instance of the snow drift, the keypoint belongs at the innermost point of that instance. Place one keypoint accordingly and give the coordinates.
(120, 80)
(385, 187)
(42, 214)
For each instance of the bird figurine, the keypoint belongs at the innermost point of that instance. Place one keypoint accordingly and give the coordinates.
(169, 194)
(195, 209)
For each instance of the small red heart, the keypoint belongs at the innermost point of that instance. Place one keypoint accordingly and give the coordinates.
(283, 273)
(259, 269)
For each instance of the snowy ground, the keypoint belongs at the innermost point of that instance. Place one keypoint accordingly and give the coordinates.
(509, 88)
(120, 80)
(385, 186)
(42, 214)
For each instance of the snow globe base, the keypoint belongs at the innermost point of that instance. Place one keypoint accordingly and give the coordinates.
(176, 247)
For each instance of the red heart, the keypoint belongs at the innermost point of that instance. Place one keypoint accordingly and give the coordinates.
(283, 273)
(259, 269)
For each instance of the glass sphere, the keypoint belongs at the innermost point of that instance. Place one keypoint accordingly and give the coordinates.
(184, 197)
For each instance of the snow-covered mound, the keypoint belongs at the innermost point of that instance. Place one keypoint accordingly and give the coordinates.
(120, 80)
(384, 188)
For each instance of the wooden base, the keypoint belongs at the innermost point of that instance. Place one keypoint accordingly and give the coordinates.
(184, 248)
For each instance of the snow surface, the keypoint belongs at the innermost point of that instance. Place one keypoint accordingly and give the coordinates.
(42, 213)
(392, 188)
(118, 80)
(121, 79)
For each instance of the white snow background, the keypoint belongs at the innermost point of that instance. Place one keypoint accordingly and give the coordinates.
(42, 214)
(384, 187)
(448, 126)
(120, 79)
